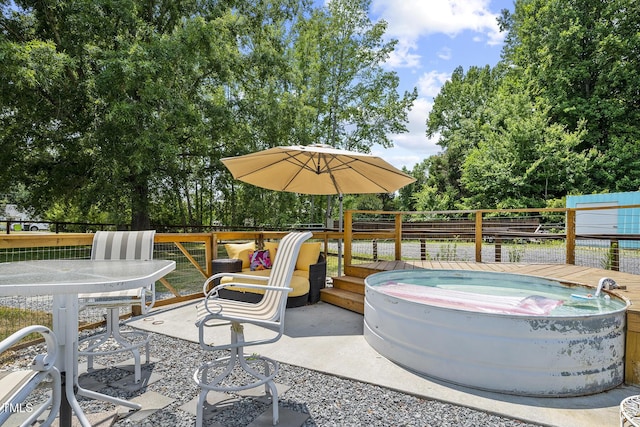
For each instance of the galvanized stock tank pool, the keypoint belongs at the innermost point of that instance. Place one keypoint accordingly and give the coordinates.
(501, 332)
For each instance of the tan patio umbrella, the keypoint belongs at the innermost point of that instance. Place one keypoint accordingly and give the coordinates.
(317, 169)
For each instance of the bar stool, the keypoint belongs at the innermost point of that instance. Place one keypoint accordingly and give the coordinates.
(630, 411)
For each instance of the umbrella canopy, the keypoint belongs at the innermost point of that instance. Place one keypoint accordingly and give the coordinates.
(317, 169)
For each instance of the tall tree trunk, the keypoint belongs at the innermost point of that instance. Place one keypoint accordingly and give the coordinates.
(140, 218)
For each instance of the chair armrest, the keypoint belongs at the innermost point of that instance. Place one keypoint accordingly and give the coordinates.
(41, 362)
(213, 294)
(205, 286)
(18, 385)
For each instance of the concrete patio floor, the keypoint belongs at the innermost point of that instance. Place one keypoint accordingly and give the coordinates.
(329, 339)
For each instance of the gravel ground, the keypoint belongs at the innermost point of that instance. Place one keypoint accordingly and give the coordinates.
(328, 400)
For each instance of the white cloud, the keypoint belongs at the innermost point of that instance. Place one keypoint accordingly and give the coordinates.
(411, 19)
(412, 147)
(445, 54)
(429, 83)
(403, 56)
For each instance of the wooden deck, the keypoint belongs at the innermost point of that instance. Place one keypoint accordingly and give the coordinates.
(629, 288)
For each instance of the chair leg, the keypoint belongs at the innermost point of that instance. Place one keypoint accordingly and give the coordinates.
(274, 401)
(114, 314)
(113, 332)
(237, 335)
(97, 341)
(200, 409)
(228, 363)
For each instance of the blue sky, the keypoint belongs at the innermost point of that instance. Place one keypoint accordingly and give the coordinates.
(434, 37)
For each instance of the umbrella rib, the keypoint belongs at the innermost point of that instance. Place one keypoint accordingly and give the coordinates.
(303, 165)
(291, 158)
(273, 163)
(329, 171)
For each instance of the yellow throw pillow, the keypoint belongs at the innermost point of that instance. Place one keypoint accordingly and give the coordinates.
(272, 247)
(309, 254)
(241, 251)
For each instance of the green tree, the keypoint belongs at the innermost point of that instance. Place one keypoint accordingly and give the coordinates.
(428, 198)
(405, 198)
(523, 159)
(458, 114)
(126, 108)
(347, 99)
(106, 101)
(350, 101)
(582, 56)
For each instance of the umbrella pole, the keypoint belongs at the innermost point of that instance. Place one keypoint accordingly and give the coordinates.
(340, 238)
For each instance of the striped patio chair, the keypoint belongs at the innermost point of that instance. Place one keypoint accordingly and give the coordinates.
(16, 386)
(267, 313)
(119, 245)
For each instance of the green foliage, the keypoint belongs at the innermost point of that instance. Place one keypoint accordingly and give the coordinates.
(582, 57)
(406, 198)
(447, 252)
(555, 217)
(501, 149)
(15, 316)
(523, 159)
(607, 262)
(350, 101)
(104, 123)
(126, 108)
(558, 115)
(430, 199)
(458, 116)
(515, 253)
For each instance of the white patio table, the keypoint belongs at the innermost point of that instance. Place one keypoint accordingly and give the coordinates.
(64, 279)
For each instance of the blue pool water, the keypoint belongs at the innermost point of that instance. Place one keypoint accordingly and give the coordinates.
(510, 286)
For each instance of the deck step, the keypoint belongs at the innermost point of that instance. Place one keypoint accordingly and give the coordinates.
(349, 283)
(348, 300)
(357, 271)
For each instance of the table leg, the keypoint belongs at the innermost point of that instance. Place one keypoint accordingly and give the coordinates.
(65, 408)
(65, 326)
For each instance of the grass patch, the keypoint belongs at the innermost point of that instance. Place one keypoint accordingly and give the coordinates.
(13, 319)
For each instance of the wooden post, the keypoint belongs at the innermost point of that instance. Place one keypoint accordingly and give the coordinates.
(479, 236)
(374, 242)
(210, 252)
(632, 350)
(214, 246)
(615, 255)
(348, 238)
(498, 249)
(423, 249)
(571, 236)
(398, 237)
(326, 245)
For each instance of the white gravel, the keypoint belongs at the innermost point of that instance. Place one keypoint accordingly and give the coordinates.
(328, 400)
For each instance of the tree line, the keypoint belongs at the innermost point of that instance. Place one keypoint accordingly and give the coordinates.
(558, 115)
(119, 111)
